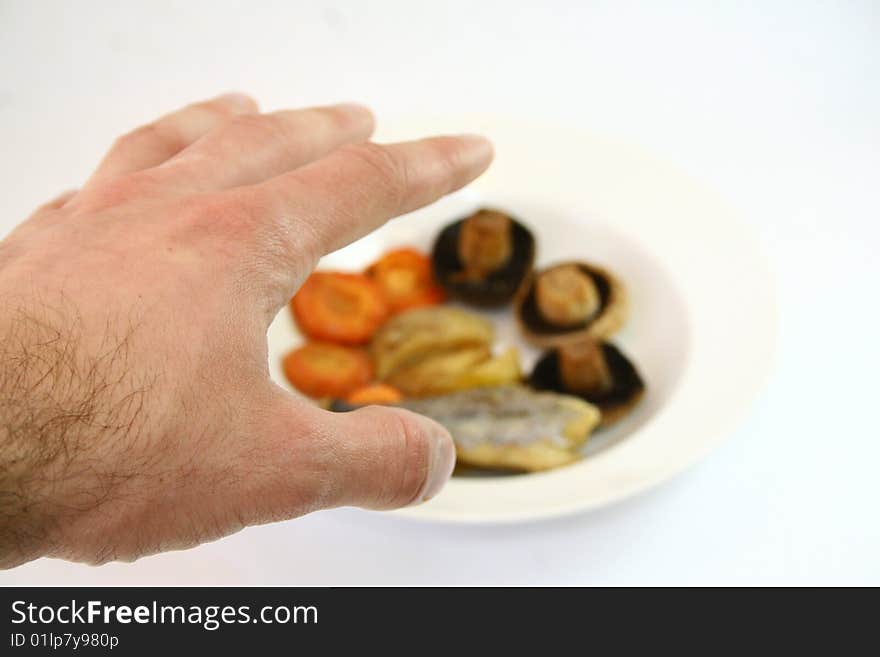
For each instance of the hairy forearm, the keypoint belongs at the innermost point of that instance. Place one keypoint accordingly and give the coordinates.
(56, 399)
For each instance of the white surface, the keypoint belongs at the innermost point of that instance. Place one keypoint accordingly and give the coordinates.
(674, 245)
(775, 105)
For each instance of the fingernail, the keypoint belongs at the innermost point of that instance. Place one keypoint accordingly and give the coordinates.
(240, 100)
(442, 462)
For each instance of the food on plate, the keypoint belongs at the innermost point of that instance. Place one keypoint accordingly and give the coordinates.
(503, 369)
(431, 351)
(436, 373)
(595, 371)
(566, 295)
(407, 280)
(484, 258)
(571, 301)
(485, 243)
(415, 335)
(320, 369)
(374, 393)
(339, 307)
(512, 427)
(458, 369)
(384, 336)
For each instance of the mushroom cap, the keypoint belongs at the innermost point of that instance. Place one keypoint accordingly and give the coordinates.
(626, 390)
(499, 286)
(566, 295)
(607, 320)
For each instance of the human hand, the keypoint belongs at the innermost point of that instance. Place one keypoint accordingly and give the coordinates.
(136, 410)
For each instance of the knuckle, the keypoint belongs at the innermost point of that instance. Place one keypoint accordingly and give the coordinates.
(116, 191)
(259, 127)
(225, 211)
(340, 118)
(267, 249)
(413, 446)
(448, 158)
(264, 255)
(218, 108)
(161, 134)
(378, 158)
(122, 142)
(291, 243)
(129, 139)
(388, 170)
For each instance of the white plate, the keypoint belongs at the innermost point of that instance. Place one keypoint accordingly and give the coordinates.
(702, 321)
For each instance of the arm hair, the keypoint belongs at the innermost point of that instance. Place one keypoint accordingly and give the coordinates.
(58, 402)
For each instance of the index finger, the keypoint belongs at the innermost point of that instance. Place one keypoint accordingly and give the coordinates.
(356, 189)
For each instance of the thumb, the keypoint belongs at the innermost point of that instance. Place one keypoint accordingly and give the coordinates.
(374, 457)
(388, 457)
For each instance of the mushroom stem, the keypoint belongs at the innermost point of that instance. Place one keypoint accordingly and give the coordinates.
(485, 243)
(583, 368)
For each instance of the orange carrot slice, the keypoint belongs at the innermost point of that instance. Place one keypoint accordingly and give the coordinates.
(407, 279)
(319, 369)
(339, 307)
(374, 393)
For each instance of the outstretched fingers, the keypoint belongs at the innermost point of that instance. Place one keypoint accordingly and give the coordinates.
(152, 144)
(252, 148)
(330, 203)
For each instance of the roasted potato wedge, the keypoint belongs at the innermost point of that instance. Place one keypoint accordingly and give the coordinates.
(501, 370)
(416, 334)
(439, 373)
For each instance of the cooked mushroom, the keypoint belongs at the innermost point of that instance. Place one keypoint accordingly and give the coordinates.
(484, 258)
(566, 296)
(597, 372)
(569, 302)
(485, 243)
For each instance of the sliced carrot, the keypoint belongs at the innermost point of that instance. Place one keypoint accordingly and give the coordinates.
(407, 279)
(339, 307)
(319, 369)
(374, 393)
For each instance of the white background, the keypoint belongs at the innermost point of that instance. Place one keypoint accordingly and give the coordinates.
(777, 105)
